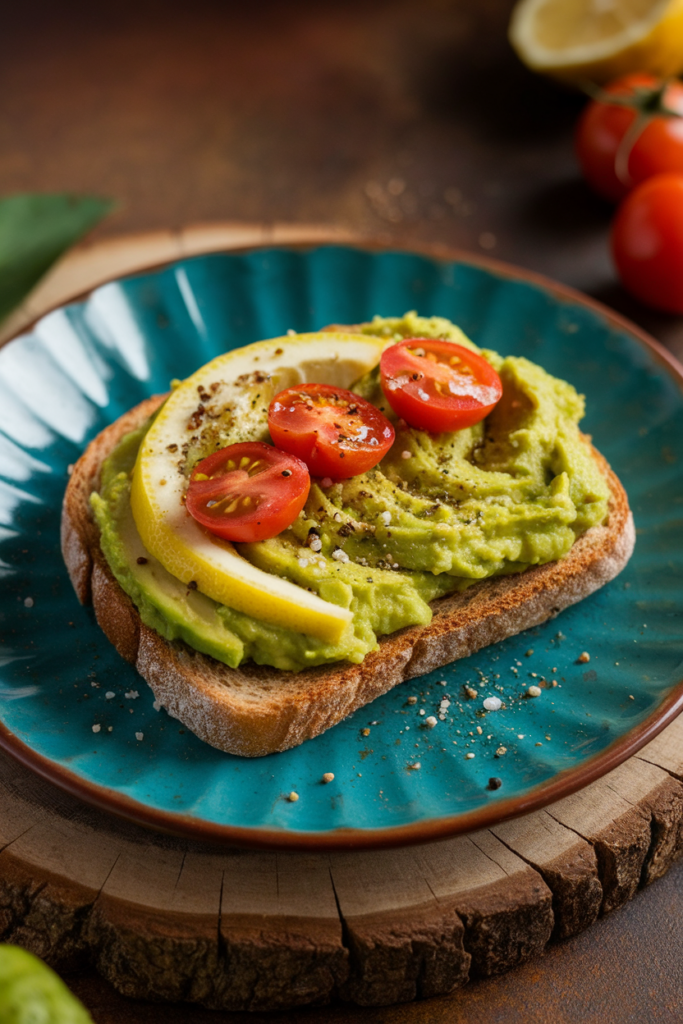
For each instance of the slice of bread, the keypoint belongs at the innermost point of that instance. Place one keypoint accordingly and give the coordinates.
(256, 710)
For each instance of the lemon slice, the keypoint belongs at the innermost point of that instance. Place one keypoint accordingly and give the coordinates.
(596, 40)
(215, 406)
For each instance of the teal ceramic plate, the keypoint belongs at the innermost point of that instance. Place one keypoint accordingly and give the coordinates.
(85, 364)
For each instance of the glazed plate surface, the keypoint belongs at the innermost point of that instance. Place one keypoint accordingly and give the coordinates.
(85, 364)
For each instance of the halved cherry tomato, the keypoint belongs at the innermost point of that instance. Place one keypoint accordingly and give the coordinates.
(336, 433)
(615, 151)
(248, 491)
(437, 385)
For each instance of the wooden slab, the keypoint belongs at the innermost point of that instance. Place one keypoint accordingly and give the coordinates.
(168, 919)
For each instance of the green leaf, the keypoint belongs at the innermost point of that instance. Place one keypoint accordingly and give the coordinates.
(34, 232)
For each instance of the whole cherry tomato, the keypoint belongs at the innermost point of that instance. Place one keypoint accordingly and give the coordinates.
(620, 145)
(647, 242)
(336, 433)
(437, 385)
(248, 491)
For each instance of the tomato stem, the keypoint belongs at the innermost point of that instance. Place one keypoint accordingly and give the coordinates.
(643, 99)
(647, 102)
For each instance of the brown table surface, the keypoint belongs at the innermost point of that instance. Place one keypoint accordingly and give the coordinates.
(408, 120)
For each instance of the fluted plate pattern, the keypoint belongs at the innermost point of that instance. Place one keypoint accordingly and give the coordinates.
(85, 364)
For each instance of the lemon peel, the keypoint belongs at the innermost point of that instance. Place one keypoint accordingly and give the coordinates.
(184, 548)
(576, 41)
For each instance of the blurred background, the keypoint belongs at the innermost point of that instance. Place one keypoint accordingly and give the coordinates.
(413, 122)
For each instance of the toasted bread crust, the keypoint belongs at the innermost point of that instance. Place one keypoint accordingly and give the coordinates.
(255, 710)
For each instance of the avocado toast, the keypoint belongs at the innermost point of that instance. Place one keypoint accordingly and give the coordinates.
(253, 709)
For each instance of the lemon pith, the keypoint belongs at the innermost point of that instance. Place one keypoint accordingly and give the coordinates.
(181, 545)
(597, 40)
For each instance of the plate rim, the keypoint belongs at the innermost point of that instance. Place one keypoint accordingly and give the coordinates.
(562, 784)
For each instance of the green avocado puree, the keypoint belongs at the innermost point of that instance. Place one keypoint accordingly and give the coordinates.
(440, 512)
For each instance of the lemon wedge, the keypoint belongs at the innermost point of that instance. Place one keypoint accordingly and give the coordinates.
(222, 403)
(597, 40)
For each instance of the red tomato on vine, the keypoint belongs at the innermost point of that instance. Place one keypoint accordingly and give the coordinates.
(647, 242)
(630, 132)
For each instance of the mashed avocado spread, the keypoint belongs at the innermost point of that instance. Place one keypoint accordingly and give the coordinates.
(440, 512)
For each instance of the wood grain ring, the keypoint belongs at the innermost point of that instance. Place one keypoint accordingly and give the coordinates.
(171, 919)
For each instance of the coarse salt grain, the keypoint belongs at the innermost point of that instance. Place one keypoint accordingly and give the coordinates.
(385, 517)
(422, 711)
(303, 562)
(583, 658)
(414, 766)
(340, 556)
(131, 695)
(316, 544)
(139, 736)
(109, 695)
(468, 757)
(471, 692)
(28, 602)
(501, 751)
(406, 455)
(328, 777)
(96, 728)
(493, 704)
(430, 722)
(293, 797)
(411, 700)
(534, 691)
(156, 705)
